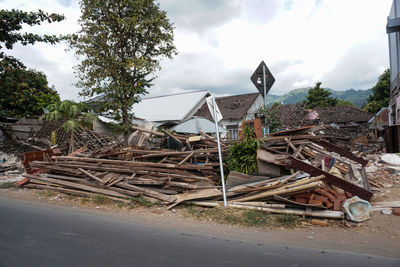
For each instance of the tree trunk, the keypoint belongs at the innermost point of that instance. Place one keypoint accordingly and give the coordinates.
(125, 123)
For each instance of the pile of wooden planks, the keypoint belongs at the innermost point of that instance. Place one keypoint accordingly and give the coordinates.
(320, 176)
(130, 171)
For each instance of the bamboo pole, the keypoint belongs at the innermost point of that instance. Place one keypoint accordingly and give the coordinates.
(281, 191)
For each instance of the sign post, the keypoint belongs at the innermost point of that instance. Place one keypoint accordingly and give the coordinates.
(263, 80)
(217, 116)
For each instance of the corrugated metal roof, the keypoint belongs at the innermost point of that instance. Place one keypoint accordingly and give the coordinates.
(169, 107)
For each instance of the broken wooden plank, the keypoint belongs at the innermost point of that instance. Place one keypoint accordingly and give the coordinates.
(88, 174)
(198, 194)
(147, 192)
(281, 191)
(186, 158)
(75, 185)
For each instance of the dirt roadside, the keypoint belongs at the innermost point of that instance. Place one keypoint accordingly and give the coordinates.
(378, 236)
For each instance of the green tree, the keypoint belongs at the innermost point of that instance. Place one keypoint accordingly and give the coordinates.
(380, 94)
(11, 24)
(24, 92)
(121, 44)
(319, 97)
(343, 102)
(275, 105)
(272, 119)
(243, 155)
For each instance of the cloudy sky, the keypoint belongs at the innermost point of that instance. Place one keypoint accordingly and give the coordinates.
(341, 43)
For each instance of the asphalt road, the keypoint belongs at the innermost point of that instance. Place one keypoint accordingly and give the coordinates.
(33, 234)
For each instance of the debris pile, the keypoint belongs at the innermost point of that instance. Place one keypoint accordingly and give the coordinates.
(299, 173)
(322, 176)
(123, 172)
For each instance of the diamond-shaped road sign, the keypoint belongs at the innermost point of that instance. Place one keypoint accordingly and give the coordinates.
(258, 79)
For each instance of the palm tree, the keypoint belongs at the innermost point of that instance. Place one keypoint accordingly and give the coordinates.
(72, 114)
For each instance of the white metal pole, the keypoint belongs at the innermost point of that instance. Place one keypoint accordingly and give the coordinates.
(265, 88)
(219, 151)
(265, 97)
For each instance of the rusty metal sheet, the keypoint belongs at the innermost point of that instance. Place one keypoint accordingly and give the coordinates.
(341, 151)
(42, 155)
(331, 179)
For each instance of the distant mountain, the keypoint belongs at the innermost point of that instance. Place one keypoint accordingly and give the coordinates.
(357, 97)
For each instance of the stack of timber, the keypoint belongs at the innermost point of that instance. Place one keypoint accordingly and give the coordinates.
(123, 172)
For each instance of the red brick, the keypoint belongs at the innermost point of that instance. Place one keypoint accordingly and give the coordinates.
(301, 200)
(303, 195)
(323, 199)
(23, 181)
(348, 194)
(396, 211)
(329, 205)
(331, 197)
(337, 205)
(333, 192)
(319, 222)
(314, 202)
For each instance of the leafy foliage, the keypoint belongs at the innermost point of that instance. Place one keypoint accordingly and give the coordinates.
(24, 92)
(73, 114)
(380, 94)
(121, 43)
(342, 102)
(272, 120)
(12, 22)
(275, 105)
(319, 97)
(243, 155)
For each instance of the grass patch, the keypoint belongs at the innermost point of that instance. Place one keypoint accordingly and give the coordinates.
(242, 217)
(288, 220)
(220, 215)
(100, 199)
(142, 201)
(257, 218)
(47, 193)
(84, 200)
(8, 185)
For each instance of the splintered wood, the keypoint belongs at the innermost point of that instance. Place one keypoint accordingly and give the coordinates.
(126, 172)
(320, 176)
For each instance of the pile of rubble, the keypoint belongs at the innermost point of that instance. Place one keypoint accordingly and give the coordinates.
(323, 177)
(123, 172)
(299, 173)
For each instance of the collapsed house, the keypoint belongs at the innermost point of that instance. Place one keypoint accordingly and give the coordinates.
(342, 123)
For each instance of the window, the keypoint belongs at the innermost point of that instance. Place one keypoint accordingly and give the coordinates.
(232, 132)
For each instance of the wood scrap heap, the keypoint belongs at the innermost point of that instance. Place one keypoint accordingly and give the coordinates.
(319, 177)
(131, 171)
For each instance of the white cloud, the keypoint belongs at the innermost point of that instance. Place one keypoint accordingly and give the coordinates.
(341, 43)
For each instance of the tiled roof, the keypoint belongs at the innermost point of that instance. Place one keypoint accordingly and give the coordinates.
(231, 107)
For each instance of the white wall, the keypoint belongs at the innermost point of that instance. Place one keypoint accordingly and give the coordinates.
(257, 105)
